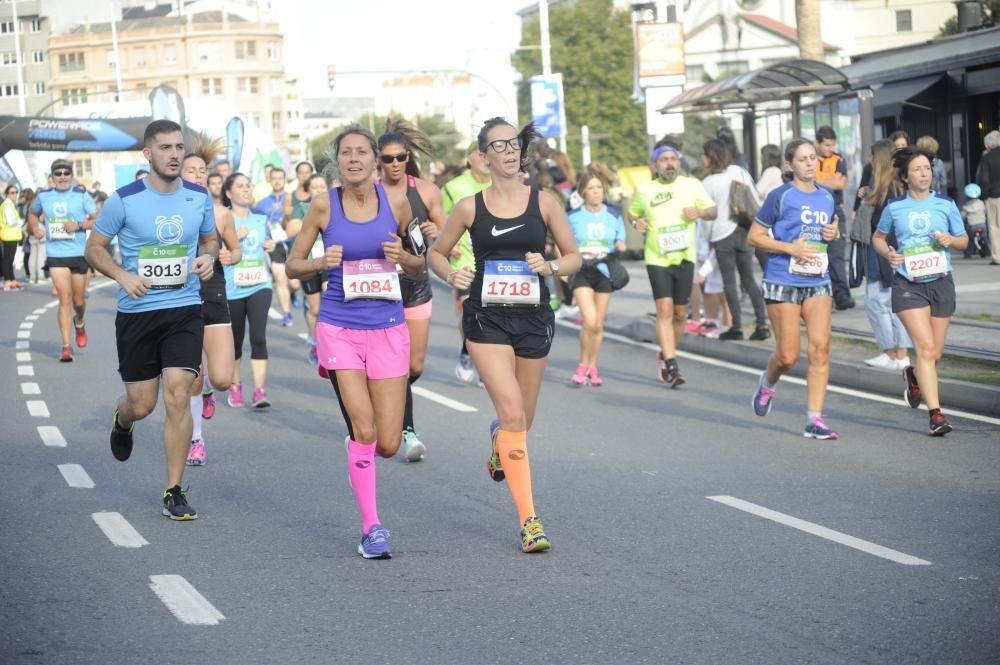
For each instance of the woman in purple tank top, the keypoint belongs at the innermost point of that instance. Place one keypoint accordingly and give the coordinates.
(362, 340)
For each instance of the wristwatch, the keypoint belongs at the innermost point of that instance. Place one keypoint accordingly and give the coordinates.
(554, 267)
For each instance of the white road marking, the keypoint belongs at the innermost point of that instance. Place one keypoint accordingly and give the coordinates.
(184, 601)
(441, 399)
(24, 334)
(40, 310)
(27, 325)
(22, 344)
(30, 389)
(24, 357)
(54, 303)
(37, 408)
(821, 531)
(25, 370)
(755, 371)
(51, 436)
(118, 530)
(76, 476)
(31, 317)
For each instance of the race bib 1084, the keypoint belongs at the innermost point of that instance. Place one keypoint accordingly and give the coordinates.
(165, 266)
(371, 278)
(925, 261)
(510, 283)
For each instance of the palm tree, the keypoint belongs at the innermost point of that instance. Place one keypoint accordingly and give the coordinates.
(807, 20)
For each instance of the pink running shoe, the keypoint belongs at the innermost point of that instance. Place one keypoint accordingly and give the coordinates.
(207, 405)
(196, 453)
(580, 375)
(595, 377)
(260, 400)
(235, 398)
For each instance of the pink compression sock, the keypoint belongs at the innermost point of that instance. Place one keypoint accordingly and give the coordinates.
(361, 471)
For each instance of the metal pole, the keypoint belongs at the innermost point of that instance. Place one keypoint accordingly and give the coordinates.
(750, 140)
(114, 45)
(585, 137)
(20, 65)
(796, 125)
(866, 114)
(543, 21)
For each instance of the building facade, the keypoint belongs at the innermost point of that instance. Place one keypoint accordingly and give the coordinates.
(33, 33)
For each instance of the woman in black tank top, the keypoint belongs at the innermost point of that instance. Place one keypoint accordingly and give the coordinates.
(507, 320)
(412, 199)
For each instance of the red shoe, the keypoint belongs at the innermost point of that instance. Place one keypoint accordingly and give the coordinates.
(67, 354)
(81, 336)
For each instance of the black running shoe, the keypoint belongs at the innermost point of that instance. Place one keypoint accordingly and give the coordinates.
(732, 334)
(175, 505)
(939, 424)
(760, 334)
(121, 440)
(673, 376)
(911, 391)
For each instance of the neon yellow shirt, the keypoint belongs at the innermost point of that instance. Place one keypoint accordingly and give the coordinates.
(454, 191)
(670, 239)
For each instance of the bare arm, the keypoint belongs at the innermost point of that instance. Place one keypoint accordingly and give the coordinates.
(231, 253)
(837, 183)
(35, 226)
(298, 265)
(100, 259)
(458, 223)
(555, 218)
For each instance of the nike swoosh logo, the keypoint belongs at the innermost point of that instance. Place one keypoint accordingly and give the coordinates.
(497, 233)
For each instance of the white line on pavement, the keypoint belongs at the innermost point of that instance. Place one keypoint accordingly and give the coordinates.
(31, 317)
(785, 379)
(118, 530)
(54, 303)
(27, 325)
(184, 601)
(25, 370)
(37, 408)
(821, 531)
(30, 389)
(40, 310)
(24, 357)
(22, 344)
(24, 334)
(441, 399)
(51, 436)
(76, 476)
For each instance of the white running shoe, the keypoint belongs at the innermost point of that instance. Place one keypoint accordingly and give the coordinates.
(464, 370)
(902, 363)
(882, 361)
(413, 447)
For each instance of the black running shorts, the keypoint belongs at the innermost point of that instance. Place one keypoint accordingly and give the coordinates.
(314, 284)
(280, 252)
(528, 330)
(590, 277)
(77, 264)
(149, 342)
(674, 282)
(214, 305)
(939, 295)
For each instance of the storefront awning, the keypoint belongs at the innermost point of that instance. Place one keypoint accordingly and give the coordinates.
(891, 96)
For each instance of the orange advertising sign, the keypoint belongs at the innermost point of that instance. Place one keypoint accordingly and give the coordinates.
(660, 49)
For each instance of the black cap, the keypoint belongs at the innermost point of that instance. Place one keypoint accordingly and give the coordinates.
(61, 163)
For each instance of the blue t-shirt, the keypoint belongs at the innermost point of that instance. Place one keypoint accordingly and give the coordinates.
(58, 207)
(596, 231)
(156, 231)
(252, 273)
(915, 223)
(791, 214)
(273, 208)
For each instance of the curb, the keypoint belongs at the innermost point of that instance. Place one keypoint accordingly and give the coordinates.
(972, 397)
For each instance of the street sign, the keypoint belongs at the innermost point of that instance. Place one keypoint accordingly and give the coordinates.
(548, 109)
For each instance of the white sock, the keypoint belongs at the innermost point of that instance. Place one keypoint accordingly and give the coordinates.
(811, 415)
(196, 417)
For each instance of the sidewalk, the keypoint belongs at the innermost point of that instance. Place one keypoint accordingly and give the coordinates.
(974, 339)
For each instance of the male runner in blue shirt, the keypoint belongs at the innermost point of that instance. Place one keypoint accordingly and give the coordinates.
(161, 222)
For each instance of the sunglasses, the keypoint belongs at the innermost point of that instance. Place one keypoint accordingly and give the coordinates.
(500, 145)
(389, 159)
(62, 172)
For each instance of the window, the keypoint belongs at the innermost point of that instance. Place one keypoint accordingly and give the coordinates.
(208, 51)
(170, 54)
(39, 87)
(275, 86)
(6, 27)
(245, 49)
(904, 20)
(139, 56)
(83, 168)
(211, 86)
(38, 57)
(247, 85)
(272, 51)
(35, 25)
(732, 68)
(695, 73)
(8, 90)
(275, 120)
(8, 58)
(74, 96)
(71, 62)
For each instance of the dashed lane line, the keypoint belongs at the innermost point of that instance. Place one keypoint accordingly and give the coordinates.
(118, 530)
(22, 344)
(184, 601)
(23, 356)
(23, 334)
(444, 401)
(37, 408)
(30, 388)
(25, 370)
(40, 310)
(51, 436)
(31, 317)
(76, 476)
(27, 325)
(821, 531)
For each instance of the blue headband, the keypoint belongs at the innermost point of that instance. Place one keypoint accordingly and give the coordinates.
(662, 149)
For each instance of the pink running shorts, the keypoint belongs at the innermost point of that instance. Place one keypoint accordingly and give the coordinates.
(383, 353)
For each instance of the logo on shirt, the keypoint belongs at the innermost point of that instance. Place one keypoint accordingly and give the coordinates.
(920, 222)
(810, 216)
(169, 230)
(595, 231)
(251, 242)
(60, 209)
(499, 232)
(661, 198)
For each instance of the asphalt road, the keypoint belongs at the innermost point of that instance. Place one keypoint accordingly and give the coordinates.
(645, 566)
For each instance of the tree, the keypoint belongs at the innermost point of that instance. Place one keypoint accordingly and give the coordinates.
(991, 12)
(807, 21)
(592, 48)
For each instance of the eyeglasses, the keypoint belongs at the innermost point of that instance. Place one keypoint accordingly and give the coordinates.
(500, 145)
(389, 159)
(62, 172)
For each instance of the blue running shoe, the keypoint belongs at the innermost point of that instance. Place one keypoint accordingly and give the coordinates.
(818, 429)
(375, 543)
(762, 398)
(286, 320)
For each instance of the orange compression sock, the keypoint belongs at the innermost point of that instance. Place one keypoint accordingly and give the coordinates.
(513, 449)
